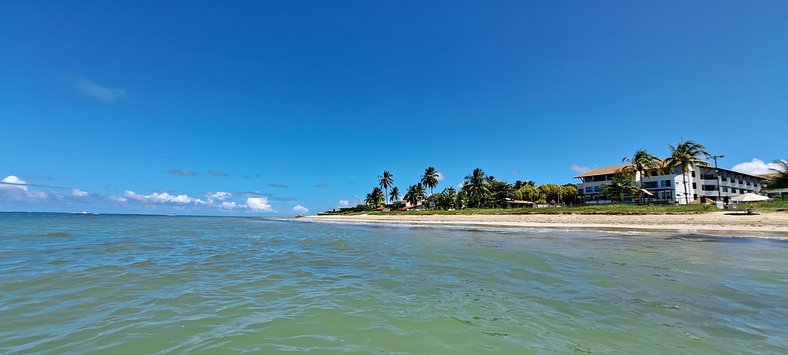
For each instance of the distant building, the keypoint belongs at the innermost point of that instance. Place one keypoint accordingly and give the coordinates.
(702, 183)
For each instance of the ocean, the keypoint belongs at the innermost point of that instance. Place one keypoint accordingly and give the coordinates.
(116, 284)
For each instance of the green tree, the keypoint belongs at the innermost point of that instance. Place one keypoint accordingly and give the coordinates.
(687, 156)
(461, 200)
(394, 195)
(644, 164)
(551, 192)
(477, 189)
(779, 180)
(620, 185)
(520, 184)
(569, 193)
(415, 194)
(375, 198)
(528, 193)
(446, 199)
(430, 178)
(386, 180)
(500, 191)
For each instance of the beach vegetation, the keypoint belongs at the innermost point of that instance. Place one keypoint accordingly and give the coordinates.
(779, 178)
(477, 188)
(620, 186)
(415, 194)
(686, 156)
(386, 180)
(394, 195)
(643, 164)
(375, 198)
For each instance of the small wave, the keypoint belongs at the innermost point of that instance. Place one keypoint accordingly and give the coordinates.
(52, 235)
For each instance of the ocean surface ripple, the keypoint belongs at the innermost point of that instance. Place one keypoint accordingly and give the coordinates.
(157, 284)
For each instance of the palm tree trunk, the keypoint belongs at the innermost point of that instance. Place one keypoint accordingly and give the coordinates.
(686, 193)
(386, 198)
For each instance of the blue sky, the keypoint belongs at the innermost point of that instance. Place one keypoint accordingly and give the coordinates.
(156, 107)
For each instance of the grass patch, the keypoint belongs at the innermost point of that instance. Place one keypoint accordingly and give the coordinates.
(771, 206)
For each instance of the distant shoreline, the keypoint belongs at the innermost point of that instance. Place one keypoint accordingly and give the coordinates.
(716, 222)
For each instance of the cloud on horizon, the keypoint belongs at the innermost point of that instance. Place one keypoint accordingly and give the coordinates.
(217, 173)
(756, 167)
(161, 197)
(259, 204)
(300, 209)
(94, 90)
(278, 186)
(321, 186)
(15, 189)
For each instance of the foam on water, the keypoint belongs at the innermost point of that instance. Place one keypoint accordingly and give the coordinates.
(147, 284)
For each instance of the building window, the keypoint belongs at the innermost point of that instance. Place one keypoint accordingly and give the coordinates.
(724, 189)
(708, 177)
(755, 184)
(693, 173)
(665, 183)
(709, 188)
(597, 188)
(733, 191)
(589, 189)
(694, 186)
(649, 184)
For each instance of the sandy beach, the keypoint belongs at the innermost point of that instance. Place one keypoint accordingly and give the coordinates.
(718, 222)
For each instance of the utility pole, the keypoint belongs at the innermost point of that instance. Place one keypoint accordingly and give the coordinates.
(719, 192)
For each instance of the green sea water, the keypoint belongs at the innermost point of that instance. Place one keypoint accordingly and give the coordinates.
(154, 284)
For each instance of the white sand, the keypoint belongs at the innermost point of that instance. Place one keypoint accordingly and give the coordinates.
(764, 223)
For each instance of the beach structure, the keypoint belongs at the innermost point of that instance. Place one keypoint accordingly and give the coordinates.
(703, 185)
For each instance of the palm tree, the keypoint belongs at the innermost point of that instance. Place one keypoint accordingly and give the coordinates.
(386, 180)
(780, 178)
(687, 156)
(415, 194)
(430, 179)
(643, 163)
(394, 196)
(620, 186)
(476, 186)
(375, 198)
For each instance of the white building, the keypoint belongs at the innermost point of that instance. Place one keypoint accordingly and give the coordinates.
(702, 185)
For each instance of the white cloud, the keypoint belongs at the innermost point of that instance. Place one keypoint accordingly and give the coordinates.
(229, 205)
(218, 196)
(259, 204)
(78, 193)
(755, 167)
(13, 182)
(300, 209)
(441, 177)
(118, 199)
(14, 188)
(97, 91)
(344, 203)
(161, 197)
(579, 169)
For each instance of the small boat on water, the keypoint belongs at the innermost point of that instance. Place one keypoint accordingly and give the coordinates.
(298, 216)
